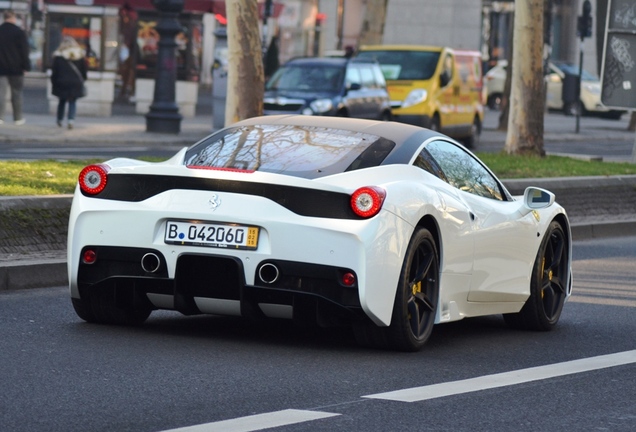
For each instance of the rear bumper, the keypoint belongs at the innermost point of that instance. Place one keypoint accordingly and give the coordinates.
(216, 284)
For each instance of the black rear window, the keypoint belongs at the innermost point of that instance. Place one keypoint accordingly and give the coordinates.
(301, 151)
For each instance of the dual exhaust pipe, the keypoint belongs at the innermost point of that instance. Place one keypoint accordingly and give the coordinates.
(150, 262)
(268, 273)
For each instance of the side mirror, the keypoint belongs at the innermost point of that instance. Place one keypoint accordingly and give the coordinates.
(354, 86)
(444, 79)
(537, 198)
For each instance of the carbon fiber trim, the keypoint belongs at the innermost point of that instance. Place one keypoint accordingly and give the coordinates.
(304, 202)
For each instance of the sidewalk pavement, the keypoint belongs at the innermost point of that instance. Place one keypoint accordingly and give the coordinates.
(102, 131)
(127, 126)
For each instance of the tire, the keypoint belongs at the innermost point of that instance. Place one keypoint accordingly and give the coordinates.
(415, 303)
(494, 101)
(100, 307)
(613, 115)
(548, 286)
(416, 298)
(83, 310)
(436, 124)
(386, 116)
(472, 141)
(572, 108)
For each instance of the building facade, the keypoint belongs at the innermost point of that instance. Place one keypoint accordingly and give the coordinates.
(302, 28)
(484, 25)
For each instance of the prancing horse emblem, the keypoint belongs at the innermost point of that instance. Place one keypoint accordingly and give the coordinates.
(214, 202)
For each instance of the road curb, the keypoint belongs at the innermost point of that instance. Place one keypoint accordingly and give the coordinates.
(19, 275)
(588, 231)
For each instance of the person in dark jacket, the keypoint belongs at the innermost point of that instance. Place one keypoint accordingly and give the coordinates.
(68, 74)
(14, 61)
(272, 63)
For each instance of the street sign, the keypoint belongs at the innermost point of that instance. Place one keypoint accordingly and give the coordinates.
(618, 70)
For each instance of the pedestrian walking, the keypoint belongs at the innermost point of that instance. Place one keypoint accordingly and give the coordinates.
(272, 63)
(68, 74)
(14, 61)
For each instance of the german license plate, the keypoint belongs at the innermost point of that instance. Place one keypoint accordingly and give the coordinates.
(218, 235)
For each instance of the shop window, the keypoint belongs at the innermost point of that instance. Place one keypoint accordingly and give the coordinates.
(97, 35)
(189, 47)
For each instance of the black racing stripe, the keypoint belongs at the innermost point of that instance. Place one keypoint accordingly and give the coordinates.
(302, 201)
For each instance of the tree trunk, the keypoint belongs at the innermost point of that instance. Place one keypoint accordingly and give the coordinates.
(373, 23)
(527, 100)
(245, 78)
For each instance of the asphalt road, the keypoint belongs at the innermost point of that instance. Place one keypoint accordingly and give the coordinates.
(610, 149)
(60, 374)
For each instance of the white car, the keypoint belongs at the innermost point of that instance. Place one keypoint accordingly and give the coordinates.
(590, 94)
(382, 226)
(494, 81)
(558, 74)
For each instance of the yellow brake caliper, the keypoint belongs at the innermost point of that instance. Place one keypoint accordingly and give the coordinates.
(549, 273)
(417, 287)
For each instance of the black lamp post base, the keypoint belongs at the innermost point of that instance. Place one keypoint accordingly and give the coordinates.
(164, 114)
(163, 122)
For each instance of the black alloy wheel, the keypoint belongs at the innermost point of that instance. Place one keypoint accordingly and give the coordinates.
(549, 284)
(416, 298)
(415, 303)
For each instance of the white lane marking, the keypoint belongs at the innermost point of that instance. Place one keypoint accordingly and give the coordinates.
(258, 421)
(416, 394)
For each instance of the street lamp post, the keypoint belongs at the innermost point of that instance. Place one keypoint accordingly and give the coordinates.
(164, 114)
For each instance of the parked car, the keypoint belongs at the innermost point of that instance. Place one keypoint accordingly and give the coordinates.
(329, 87)
(436, 87)
(590, 95)
(559, 74)
(495, 80)
(382, 226)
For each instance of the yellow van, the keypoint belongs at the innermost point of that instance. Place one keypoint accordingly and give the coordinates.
(435, 87)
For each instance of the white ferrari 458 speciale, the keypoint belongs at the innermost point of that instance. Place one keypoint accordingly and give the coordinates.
(385, 227)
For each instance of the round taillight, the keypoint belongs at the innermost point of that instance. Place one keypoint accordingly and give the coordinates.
(348, 279)
(93, 178)
(367, 201)
(89, 256)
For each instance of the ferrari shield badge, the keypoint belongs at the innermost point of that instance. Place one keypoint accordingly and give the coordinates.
(214, 202)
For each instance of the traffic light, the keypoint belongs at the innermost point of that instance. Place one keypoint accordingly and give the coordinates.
(584, 26)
